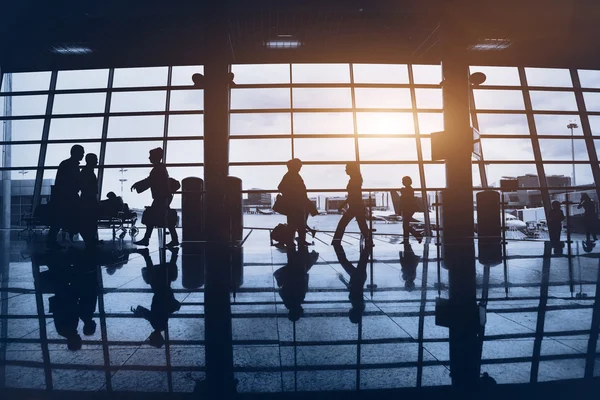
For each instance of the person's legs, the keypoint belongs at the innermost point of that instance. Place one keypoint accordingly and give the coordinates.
(341, 227)
(588, 228)
(364, 229)
(408, 229)
(146, 239)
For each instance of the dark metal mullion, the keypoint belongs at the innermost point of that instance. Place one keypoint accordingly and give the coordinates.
(354, 119)
(537, 154)
(420, 164)
(102, 156)
(39, 176)
(422, 307)
(291, 112)
(587, 130)
(100, 292)
(39, 302)
(541, 317)
(167, 113)
(475, 122)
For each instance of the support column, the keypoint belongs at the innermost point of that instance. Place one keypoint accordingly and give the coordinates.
(6, 154)
(457, 209)
(216, 121)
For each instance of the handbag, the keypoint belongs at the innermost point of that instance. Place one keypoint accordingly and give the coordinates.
(280, 205)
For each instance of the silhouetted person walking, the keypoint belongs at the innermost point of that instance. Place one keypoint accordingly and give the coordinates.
(555, 219)
(90, 207)
(356, 206)
(65, 197)
(408, 206)
(295, 197)
(358, 276)
(590, 217)
(157, 213)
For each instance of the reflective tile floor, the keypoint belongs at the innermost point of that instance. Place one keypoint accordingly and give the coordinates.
(346, 323)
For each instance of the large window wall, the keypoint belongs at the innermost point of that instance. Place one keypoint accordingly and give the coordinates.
(324, 114)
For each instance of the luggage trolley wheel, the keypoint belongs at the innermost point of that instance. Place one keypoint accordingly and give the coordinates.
(134, 231)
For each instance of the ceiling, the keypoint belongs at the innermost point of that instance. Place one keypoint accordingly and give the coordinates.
(38, 35)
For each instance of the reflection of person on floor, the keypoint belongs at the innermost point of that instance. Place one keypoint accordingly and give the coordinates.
(590, 217)
(555, 219)
(65, 197)
(112, 205)
(292, 280)
(159, 277)
(358, 277)
(356, 206)
(90, 207)
(158, 183)
(295, 197)
(408, 206)
(76, 289)
(409, 262)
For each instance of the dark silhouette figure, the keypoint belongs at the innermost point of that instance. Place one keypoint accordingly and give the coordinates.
(112, 205)
(159, 277)
(158, 213)
(295, 198)
(64, 202)
(409, 262)
(75, 281)
(555, 219)
(292, 280)
(590, 216)
(356, 207)
(408, 206)
(358, 277)
(90, 207)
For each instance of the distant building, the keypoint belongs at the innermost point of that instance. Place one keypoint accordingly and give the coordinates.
(21, 197)
(257, 200)
(532, 197)
(333, 203)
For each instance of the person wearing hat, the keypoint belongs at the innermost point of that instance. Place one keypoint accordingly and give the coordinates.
(158, 182)
(293, 191)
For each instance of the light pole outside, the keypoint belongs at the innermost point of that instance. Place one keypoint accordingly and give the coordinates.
(572, 125)
(122, 179)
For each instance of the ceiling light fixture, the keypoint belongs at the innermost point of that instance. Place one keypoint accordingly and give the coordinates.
(71, 50)
(491, 45)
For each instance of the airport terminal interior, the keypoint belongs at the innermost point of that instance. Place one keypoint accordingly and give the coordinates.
(493, 111)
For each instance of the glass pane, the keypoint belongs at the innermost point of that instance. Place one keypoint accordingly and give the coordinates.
(503, 124)
(429, 98)
(187, 100)
(23, 105)
(500, 76)
(384, 149)
(427, 74)
(592, 101)
(389, 175)
(498, 99)
(324, 177)
(495, 172)
(136, 126)
(185, 151)
(325, 149)
(382, 98)
(138, 101)
(583, 174)
(186, 125)
(76, 128)
(82, 79)
(476, 175)
(385, 123)
(112, 183)
(381, 73)
(548, 77)
(430, 122)
(265, 177)
(23, 129)
(426, 149)
(26, 178)
(26, 81)
(260, 124)
(133, 77)
(118, 153)
(553, 101)
(589, 78)
(323, 123)
(260, 98)
(320, 73)
(253, 150)
(182, 75)
(261, 73)
(23, 155)
(180, 173)
(80, 103)
(435, 175)
(507, 149)
(57, 152)
(322, 98)
(563, 149)
(595, 124)
(556, 124)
